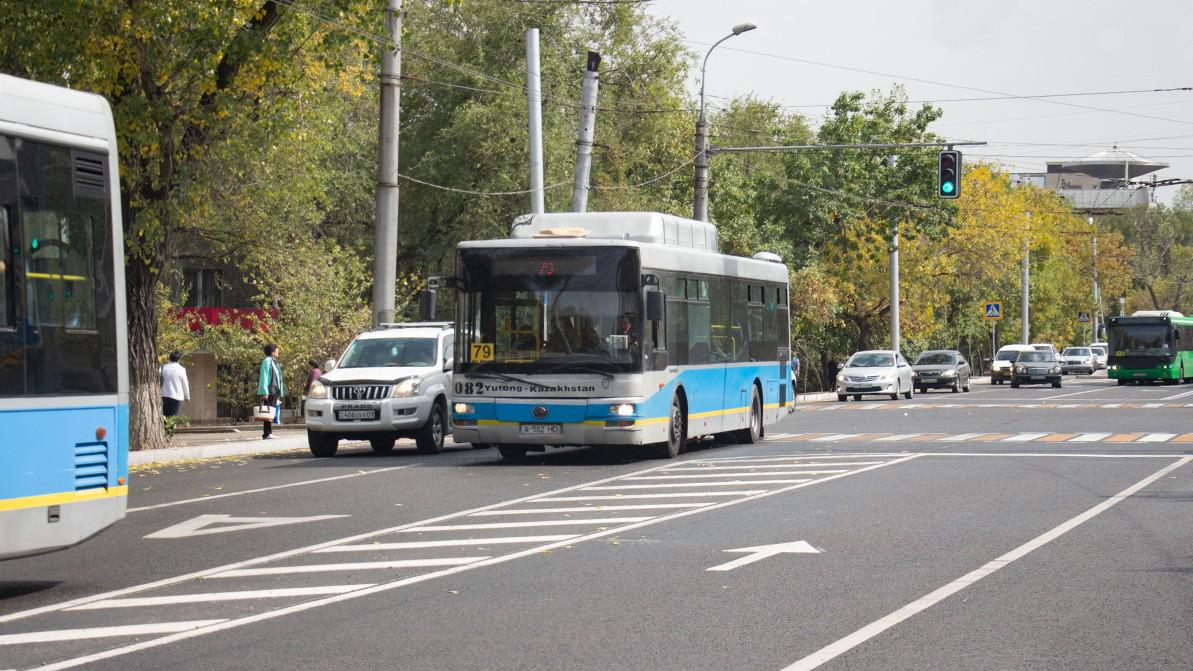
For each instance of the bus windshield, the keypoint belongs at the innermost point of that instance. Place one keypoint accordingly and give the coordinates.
(1140, 340)
(550, 310)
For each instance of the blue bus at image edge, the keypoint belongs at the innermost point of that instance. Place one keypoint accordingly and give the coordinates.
(63, 336)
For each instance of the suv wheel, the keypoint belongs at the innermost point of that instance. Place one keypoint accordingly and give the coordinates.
(382, 445)
(429, 438)
(322, 444)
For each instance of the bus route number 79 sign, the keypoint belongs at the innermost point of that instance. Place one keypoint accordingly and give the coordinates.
(480, 351)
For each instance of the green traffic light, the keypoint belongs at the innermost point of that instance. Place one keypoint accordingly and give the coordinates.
(946, 187)
(36, 243)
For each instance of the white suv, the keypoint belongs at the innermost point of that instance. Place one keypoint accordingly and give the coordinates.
(391, 383)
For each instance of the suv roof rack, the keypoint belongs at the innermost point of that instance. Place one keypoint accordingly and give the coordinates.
(416, 325)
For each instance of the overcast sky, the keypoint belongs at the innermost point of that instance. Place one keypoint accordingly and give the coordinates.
(963, 48)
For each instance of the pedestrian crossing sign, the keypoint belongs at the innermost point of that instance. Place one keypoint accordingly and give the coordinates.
(993, 311)
(1083, 317)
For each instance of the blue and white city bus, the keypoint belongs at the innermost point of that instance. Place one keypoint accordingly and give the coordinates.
(63, 351)
(616, 328)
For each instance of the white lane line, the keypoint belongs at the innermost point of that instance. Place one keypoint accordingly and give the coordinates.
(1051, 455)
(710, 467)
(214, 497)
(522, 525)
(737, 460)
(1176, 396)
(835, 437)
(211, 597)
(841, 646)
(464, 542)
(104, 632)
(696, 484)
(1089, 438)
(912, 405)
(1157, 438)
(959, 437)
(1023, 437)
(697, 476)
(413, 580)
(1076, 393)
(668, 495)
(587, 509)
(356, 566)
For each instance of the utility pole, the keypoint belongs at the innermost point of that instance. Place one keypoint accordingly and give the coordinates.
(534, 108)
(1097, 293)
(891, 159)
(385, 241)
(1026, 308)
(588, 101)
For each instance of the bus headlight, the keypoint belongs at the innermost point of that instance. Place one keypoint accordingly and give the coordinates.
(622, 409)
(318, 390)
(405, 388)
(464, 409)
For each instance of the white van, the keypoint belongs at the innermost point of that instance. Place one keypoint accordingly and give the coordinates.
(1001, 369)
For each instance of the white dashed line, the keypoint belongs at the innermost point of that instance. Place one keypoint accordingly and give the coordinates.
(213, 597)
(104, 632)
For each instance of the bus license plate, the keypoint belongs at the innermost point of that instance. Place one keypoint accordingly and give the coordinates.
(541, 429)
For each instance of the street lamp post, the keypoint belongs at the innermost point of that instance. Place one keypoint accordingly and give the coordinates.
(700, 206)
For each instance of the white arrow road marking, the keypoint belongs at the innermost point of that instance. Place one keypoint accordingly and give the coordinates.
(104, 632)
(218, 524)
(761, 552)
(210, 597)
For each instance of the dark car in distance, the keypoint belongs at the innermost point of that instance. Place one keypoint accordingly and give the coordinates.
(941, 369)
(1038, 367)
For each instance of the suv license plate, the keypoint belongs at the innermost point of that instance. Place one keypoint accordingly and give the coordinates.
(356, 414)
(541, 429)
(1037, 377)
(927, 379)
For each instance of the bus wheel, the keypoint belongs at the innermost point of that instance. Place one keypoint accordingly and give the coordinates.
(515, 454)
(753, 432)
(677, 432)
(1122, 383)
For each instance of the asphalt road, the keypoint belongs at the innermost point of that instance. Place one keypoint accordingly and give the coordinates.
(996, 529)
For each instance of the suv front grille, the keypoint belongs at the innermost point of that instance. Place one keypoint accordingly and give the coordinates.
(360, 392)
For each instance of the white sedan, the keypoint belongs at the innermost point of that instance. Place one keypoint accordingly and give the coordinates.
(880, 371)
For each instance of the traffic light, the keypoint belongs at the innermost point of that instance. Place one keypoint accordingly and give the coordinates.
(948, 182)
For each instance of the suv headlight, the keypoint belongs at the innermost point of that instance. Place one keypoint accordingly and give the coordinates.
(840, 377)
(405, 388)
(1056, 369)
(1020, 368)
(318, 390)
(949, 373)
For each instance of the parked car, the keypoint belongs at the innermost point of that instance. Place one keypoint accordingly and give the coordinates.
(1100, 351)
(1044, 347)
(391, 383)
(1037, 367)
(941, 369)
(1002, 368)
(1078, 360)
(881, 371)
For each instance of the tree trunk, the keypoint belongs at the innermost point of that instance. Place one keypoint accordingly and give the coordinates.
(146, 427)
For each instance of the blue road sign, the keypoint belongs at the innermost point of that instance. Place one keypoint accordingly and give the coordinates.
(993, 311)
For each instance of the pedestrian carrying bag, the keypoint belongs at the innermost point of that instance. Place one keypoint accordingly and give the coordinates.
(263, 413)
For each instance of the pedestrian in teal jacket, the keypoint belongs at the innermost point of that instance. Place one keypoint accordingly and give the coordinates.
(270, 386)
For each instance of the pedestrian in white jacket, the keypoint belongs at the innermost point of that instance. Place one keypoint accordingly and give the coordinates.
(175, 387)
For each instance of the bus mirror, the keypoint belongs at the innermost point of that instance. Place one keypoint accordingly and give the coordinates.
(655, 301)
(650, 280)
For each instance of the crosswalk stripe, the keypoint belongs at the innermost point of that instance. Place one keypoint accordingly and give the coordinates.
(730, 475)
(210, 597)
(710, 467)
(1057, 437)
(1023, 437)
(586, 509)
(522, 525)
(104, 632)
(668, 495)
(1111, 405)
(1090, 438)
(1184, 438)
(1152, 405)
(455, 543)
(357, 566)
(834, 437)
(1157, 438)
(924, 437)
(696, 484)
(960, 437)
(993, 437)
(899, 437)
(1124, 437)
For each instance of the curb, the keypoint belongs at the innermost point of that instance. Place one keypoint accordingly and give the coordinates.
(229, 449)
